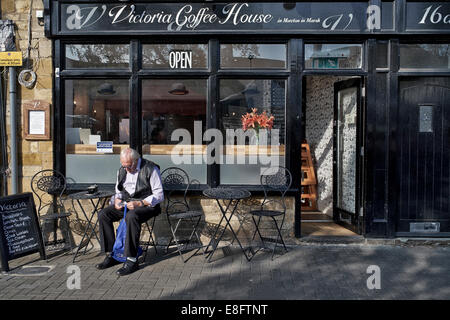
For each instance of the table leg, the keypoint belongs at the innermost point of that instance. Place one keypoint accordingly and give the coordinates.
(85, 235)
(228, 223)
(95, 212)
(218, 226)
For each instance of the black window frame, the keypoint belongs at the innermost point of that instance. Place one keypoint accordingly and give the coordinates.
(136, 74)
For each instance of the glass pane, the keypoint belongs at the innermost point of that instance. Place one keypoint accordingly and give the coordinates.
(175, 56)
(253, 56)
(425, 56)
(333, 56)
(426, 119)
(382, 54)
(168, 105)
(96, 110)
(346, 149)
(248, 152)
(97, 56)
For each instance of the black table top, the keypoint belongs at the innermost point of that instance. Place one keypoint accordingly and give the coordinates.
(226, 193)
(82, 195)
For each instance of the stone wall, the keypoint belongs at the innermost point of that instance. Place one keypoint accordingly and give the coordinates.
(32, 155)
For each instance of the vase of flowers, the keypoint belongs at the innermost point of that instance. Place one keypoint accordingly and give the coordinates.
(256, 121)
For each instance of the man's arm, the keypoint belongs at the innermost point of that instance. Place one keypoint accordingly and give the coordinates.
(157, 189)
(118, 195)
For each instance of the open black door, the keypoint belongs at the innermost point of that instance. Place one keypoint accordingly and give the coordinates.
(348, 154)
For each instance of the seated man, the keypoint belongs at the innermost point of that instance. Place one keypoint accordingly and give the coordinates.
(139, 179)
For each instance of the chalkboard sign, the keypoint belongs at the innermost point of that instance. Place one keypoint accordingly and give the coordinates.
(20, 233)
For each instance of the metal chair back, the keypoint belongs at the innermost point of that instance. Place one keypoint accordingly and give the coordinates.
(175, 179)
(49, 186)
(277, 181)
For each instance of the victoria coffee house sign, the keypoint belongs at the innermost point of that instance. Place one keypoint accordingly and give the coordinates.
(177, 17)
(301, 17)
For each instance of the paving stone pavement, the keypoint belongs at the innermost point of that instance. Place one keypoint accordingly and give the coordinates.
(313, 271)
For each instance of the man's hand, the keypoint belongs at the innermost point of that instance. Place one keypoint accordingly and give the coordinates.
(118, 204)
(134, 204)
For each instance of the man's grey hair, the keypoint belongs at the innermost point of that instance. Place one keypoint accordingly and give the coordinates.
(129, 153)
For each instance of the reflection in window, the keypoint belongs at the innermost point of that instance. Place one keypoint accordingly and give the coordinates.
(168, 105)
(96, 110)
(333, 56)
(253, 56)
(174, 56)
(425, 56)
(238, 97)
(97, 56)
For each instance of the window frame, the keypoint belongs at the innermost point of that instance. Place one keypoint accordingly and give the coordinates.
(136, 74)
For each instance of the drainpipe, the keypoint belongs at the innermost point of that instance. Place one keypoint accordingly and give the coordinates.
(12, 103)
(4, 150)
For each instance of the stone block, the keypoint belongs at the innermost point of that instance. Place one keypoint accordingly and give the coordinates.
(22, 5)
(34, 146)
(8, 6)
(29, 171)
(43, 94)
(45, 146)
(31, 159)
(43, 82)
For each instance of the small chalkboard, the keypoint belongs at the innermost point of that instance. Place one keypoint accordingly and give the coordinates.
(20, 233)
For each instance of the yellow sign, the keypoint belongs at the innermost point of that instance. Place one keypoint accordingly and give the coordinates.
(11, 59)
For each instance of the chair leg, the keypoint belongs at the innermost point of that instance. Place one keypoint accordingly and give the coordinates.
(151, 240)
(67, 231)
(43, 239)
(256, 227)
(195, 231)
(257, 230)
(279, 236)
(176, 240)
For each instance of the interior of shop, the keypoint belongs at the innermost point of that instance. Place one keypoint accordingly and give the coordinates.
(317, 158)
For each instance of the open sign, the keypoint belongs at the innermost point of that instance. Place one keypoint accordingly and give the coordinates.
(180, 59)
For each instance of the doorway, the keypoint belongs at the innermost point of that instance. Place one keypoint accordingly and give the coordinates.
(423, 156)
(332, 113)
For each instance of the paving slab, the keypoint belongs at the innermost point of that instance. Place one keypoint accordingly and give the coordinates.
(313, 271)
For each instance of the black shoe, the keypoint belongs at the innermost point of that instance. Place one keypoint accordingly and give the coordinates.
(128, 268)
(108, 262)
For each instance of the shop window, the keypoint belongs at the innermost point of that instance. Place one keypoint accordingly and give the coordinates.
(175, 56)
(425, 56)
(174, 113)
(253, 56)
(95, 111)
(97, 56)
(333, 56)
(247, 153)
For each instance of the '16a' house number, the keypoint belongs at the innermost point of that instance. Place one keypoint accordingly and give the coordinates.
(180, 59)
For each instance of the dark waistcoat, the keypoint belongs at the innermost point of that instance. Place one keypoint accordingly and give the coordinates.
(143, 187)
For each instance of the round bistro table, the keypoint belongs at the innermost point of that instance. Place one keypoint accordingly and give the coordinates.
(229, 195)
(96, 198)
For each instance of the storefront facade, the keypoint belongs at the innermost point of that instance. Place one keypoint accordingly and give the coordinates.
(365, 83)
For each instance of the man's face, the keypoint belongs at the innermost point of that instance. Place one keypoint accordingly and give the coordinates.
(128, 164)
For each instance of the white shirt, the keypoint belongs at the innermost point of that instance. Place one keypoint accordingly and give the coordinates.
(129, 185)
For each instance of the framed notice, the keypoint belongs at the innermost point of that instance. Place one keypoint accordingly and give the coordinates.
(37, 120)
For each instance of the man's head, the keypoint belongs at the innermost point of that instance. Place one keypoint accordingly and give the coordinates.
(129, 159)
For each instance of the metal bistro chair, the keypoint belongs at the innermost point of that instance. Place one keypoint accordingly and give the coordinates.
(49, 186)
(176, 179)
(278, 181)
